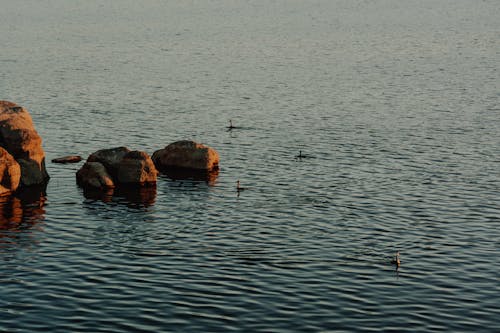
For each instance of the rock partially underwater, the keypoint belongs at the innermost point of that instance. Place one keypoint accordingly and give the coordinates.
(94, 174)
(109, 168)
(136, 167)
(20, 139)
(109, 158)
(187, 159)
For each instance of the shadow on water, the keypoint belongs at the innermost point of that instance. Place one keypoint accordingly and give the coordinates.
(21, 212)
(132, 196)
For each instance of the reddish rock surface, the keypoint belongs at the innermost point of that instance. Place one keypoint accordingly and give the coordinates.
(136, 167)
(19, 137)
(10, 173)
(108, 168)
(186, 155)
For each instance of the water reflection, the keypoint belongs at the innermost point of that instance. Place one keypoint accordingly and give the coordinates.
(11, 212)
(115, 226)
(182, 174)
(144, 196)
(21, 212)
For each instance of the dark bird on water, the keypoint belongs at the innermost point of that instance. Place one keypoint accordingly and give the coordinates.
(300, 155)
(396, 261)
(238, 187)
(230, 127)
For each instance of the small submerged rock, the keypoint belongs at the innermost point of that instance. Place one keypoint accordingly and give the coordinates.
(67, 159)
(187, 158)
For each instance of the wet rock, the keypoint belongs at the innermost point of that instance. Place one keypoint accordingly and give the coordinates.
(67, 159)
(108, 168)
(19, 137)
(186, 155)
(10, 173)
(136, 167)
(110, 158)
(94, 175)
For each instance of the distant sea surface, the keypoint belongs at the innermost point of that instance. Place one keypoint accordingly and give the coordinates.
(397, 104)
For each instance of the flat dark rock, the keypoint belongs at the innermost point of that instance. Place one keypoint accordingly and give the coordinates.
(67, 159)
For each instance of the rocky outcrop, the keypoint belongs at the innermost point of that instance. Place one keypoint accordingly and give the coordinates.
(19, 137)
(10, 173)
(186, 155)
(108, 168)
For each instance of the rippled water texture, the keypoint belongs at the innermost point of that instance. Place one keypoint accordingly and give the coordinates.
(396, 102)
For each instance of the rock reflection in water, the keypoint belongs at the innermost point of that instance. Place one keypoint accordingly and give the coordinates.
(200, 175)
(143, 196)
(21, 212)
(11, 212)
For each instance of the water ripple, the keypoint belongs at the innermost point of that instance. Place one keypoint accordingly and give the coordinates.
(395, 103)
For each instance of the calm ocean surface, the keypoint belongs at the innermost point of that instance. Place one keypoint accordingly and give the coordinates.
(397, 102)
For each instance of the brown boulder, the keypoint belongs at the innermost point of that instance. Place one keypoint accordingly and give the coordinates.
(117, 166)
(94, 175)
(110, 158)
(19, 137)
(186, 155)
(136, 167)
(10, 173)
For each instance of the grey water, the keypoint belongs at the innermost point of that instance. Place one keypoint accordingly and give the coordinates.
(396, 102)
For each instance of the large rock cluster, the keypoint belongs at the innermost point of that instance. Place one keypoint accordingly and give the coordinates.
(22, 161)
(108, 168)
(22, 146)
